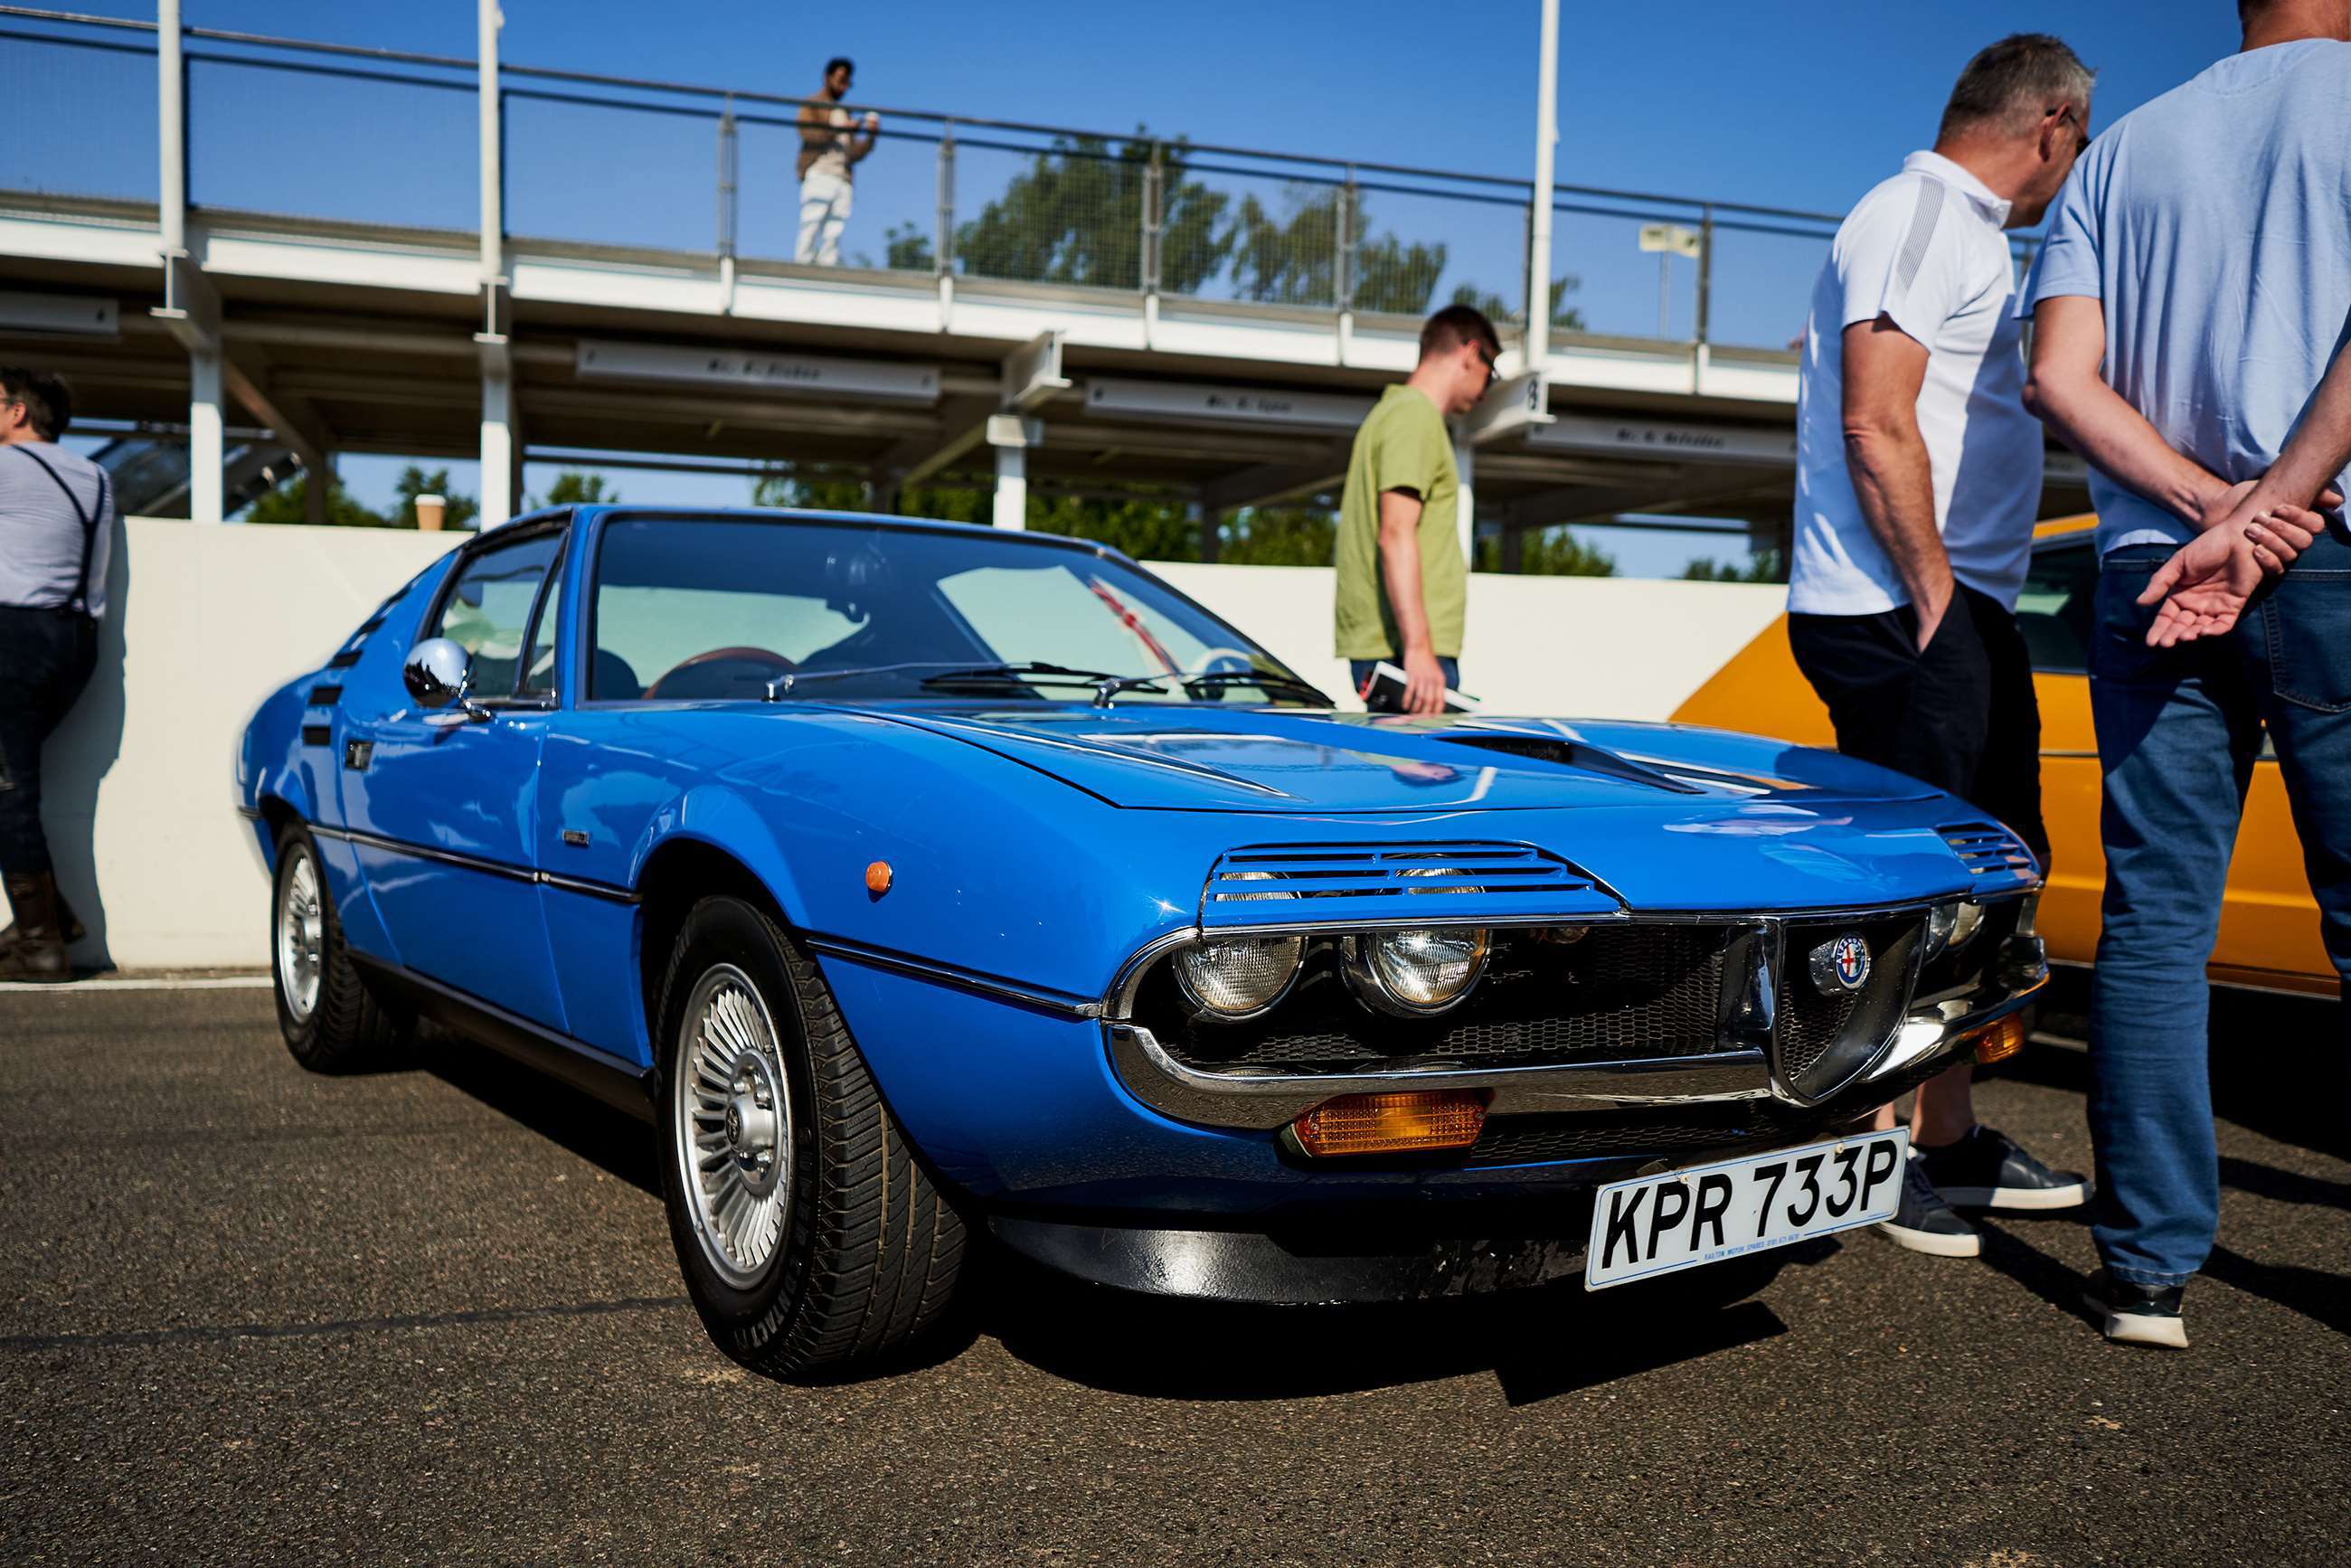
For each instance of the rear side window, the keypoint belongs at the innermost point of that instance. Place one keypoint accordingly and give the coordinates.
(488, 609)
(2058, 605)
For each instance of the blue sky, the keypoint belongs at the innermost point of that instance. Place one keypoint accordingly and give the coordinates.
(1798, 103)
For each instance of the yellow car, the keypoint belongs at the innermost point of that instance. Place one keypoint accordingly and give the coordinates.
(2269, 925)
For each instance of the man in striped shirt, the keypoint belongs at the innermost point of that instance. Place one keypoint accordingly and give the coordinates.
(57, 528)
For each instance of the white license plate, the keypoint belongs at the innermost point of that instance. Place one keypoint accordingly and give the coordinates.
(1655, 1225)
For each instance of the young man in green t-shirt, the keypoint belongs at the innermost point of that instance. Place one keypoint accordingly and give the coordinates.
(1402, 583)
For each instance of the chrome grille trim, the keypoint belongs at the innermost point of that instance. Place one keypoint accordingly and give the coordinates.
(1267, 885)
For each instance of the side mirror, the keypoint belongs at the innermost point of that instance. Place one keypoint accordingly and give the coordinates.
(437, 673)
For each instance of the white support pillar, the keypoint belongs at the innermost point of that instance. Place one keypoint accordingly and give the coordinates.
(493, 220)
(1466, 514)
(205, 452)
(1538, 338)
(172, 128)
(1012, 436)
(500, 458)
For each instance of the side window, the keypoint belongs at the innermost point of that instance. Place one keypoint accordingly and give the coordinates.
(2056, 608)
(487, 612)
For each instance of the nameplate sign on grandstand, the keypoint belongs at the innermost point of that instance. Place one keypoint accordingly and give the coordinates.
(605, 361)
(1666, 439)
(1224, 404)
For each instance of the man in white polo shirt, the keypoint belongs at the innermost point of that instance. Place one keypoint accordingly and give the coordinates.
(1918, 481)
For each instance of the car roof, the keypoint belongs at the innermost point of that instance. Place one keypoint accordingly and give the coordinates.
(586, 512)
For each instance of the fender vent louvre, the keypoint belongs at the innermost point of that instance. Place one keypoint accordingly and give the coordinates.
(1272, 885)
(1994, 857)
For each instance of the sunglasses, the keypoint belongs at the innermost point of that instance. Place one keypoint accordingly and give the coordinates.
(2081, 136)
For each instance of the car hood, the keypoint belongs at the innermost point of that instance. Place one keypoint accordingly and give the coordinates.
(1199, 758)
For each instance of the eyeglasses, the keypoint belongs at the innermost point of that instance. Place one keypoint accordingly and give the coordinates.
(2081, 133)
(1493, 369)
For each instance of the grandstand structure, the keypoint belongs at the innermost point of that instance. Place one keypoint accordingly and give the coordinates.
(311, 249)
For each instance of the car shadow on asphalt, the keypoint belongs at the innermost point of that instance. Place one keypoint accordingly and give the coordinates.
(1160, 1348)
(613, 1140)
(1538, 1344)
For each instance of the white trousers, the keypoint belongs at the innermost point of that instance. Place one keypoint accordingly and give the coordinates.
(824, 213)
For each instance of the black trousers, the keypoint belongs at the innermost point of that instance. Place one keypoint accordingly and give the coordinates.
(45, 659)
(1960, 714)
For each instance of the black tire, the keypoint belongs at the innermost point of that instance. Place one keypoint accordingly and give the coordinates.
(868, 1248)
(347, 1028)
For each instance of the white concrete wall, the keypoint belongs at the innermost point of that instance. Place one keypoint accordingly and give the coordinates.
(137, 785)
(1558, 647)
(207, 621)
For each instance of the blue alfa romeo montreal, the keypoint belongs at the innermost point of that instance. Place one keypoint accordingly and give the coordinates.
(918, 880)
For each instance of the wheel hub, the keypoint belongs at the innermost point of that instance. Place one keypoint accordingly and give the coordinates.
(733, 1130)
(301, 935)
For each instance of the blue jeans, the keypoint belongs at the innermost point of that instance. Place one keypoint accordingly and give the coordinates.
(1360, 671)
(2178, 729)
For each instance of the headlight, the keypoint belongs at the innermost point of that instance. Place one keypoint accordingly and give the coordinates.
(1240, 977)
(1417, 972)
(1941, 920)
(1951, 927)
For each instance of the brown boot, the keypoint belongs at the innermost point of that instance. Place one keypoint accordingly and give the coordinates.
(39, 950)
(75, 931)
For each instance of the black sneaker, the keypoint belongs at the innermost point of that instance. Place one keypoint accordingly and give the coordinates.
(1924, 1223)
(2137, 1315)
(1987, 1169)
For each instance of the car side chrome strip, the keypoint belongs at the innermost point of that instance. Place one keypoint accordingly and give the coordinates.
(487, 867)
(948, 975)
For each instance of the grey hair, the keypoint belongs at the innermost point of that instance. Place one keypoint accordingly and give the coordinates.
(2010, 85)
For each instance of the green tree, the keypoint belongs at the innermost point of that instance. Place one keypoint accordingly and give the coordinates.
(1549, 552)
(1075, 215)
(574, 489)
(1565, 317)
(414, 481)
(1291, 258)
(289, 503)
(1765, 565)
(1279, 536)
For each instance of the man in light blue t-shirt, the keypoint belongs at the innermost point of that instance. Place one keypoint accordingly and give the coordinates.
(2190, 311)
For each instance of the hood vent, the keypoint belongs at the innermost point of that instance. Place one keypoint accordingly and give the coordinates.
(1294, 885)
(1994, 857)
(1565, 753)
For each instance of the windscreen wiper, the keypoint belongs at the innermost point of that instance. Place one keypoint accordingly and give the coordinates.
(950, 670)
(1222, 678)
(1035, 673)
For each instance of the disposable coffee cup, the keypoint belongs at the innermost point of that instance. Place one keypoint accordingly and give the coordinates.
(431, 511)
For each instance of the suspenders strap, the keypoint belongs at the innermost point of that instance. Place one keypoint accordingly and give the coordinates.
(79, 602)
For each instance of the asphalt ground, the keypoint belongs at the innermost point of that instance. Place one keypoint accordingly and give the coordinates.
(431, 1316)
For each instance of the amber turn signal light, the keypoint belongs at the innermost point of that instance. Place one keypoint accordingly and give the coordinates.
(878, 878)
(1392, 1124)
(2000, 1040)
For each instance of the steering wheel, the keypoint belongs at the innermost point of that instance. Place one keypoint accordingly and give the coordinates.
(720, 655)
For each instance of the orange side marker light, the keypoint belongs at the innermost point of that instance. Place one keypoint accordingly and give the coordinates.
(878, 878)
(2000, 1040)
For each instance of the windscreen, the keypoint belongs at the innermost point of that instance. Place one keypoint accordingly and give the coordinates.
(709, 609)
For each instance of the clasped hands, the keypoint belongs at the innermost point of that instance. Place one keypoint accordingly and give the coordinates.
(2203, 589)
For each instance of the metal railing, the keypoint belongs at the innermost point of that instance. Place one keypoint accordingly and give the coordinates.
(344, 132)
